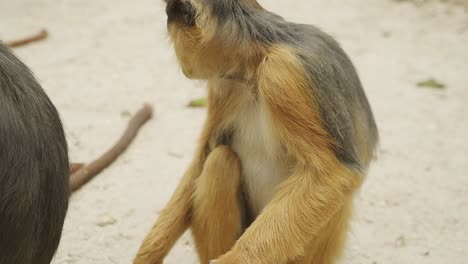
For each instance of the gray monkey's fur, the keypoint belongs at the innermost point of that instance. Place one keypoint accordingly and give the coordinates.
(34, 167)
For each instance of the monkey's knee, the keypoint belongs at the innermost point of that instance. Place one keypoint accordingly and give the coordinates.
(329, 246)
(217, 189)
(220, 176)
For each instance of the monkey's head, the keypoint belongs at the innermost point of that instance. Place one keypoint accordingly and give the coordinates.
(208, 36)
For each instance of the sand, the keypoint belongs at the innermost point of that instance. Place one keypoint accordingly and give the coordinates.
(105, 58)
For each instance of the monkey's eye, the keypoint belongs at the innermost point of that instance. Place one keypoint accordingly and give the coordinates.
(182, 11)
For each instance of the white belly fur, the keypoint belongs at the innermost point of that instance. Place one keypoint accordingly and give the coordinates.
(260, 154)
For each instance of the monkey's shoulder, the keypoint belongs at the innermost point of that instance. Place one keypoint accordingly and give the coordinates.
(335, 87)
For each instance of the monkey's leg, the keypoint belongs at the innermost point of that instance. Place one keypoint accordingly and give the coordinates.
(216, 220)
(329, 246)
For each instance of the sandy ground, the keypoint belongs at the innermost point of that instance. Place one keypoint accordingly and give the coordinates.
(105, 58)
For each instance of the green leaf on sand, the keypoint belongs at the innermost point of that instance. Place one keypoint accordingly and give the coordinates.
(200, 102)
(431, 83)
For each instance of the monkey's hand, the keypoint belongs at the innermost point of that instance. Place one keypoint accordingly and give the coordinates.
(143, 259)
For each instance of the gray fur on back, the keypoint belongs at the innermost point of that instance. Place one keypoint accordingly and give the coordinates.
(33, 167)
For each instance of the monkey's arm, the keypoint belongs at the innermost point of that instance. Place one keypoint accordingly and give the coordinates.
(175, 218)
(171, 224)
(316, 187)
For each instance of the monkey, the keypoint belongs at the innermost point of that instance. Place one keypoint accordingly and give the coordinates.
(288, 139)
(34, 167)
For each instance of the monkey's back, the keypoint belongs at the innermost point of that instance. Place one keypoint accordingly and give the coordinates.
(337, 90)
(33, 167)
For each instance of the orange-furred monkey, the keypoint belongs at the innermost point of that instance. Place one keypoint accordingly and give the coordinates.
(288, 139)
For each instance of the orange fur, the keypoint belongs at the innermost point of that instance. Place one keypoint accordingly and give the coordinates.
(328, 248)
(216, 222)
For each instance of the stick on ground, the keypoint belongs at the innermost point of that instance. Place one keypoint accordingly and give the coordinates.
(87, 172)
(43, 34)
(74, 167)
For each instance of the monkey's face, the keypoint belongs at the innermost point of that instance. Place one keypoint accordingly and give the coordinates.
(200, 56)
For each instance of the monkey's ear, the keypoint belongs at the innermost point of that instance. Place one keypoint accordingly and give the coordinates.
(180, 11)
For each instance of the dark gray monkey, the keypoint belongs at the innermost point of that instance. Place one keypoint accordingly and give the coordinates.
(34, 167)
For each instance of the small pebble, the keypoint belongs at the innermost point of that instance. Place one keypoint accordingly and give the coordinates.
(106, 221)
